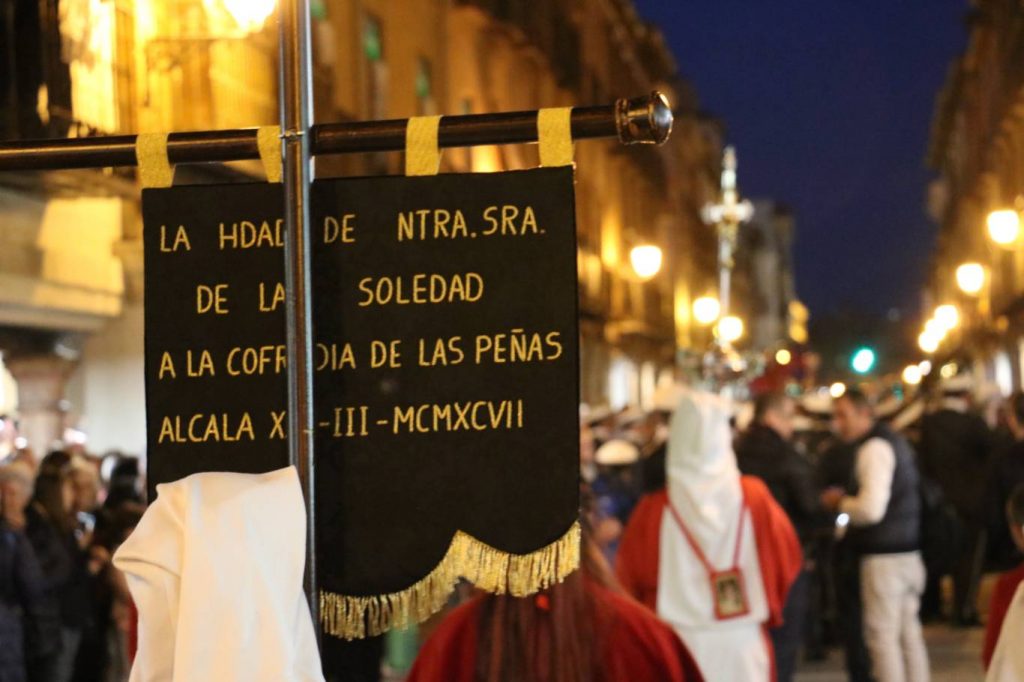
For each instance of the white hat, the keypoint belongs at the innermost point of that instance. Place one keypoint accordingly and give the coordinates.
(802, 424)
(598, 414)
(617, 452)
(961, 383)
(818, 403)
(630, 415)
(908, 415)
(888, 406)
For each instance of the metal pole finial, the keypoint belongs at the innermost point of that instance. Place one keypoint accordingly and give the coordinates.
(644, 120)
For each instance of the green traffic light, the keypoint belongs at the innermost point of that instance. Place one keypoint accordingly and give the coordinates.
(863, 361)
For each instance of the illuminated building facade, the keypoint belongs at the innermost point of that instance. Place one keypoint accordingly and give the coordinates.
(977, 152)
(70, 242)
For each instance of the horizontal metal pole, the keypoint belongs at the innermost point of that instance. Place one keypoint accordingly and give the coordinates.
(642, 120)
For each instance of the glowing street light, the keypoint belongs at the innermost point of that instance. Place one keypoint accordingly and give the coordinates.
(925, 366)
(912, 375)
(730, 329)
(706, 310)
(935, 329)
(250, 15)
(783, 357)
(646, 260)
(928, 342)
(947, 315)
(837, 390)
(970, 277)
(1003, 226)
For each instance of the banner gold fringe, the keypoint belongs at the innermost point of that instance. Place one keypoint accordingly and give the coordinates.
(488, 568)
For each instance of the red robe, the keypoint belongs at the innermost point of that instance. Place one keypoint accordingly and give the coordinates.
(634, 645)
(778, 549)
(1001, 598)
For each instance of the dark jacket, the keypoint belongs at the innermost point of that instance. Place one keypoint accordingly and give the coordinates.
(653, 468)
(762, 452)
(955, 453)
(20, 592)
(900, 527)
(835, 464)
(55, 561)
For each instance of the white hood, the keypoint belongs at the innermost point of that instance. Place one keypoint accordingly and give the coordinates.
(704, 487)
(703, 479)
(215, 568)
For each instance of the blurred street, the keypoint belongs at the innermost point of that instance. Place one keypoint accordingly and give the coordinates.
(953, 654)
(732, 378)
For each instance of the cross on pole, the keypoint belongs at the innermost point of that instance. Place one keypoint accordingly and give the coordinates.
(727, 215)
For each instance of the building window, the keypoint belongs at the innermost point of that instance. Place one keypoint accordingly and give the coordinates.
(623, 383)
(376, 67)
(372, 45)
(375, 77)
(424, 88)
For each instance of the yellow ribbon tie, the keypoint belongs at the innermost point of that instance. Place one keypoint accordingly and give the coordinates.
(554, 136)
(155, 168)
(268, 139)
(422, 155)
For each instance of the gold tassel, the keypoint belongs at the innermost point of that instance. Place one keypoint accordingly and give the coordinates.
(488, 568)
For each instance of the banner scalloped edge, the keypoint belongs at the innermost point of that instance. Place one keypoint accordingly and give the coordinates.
(487, 568)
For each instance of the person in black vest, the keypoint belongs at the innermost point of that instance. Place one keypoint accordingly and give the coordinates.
(956, 448)
(764, 450)
(883, 506)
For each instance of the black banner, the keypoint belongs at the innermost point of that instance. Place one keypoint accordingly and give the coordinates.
(446, 360)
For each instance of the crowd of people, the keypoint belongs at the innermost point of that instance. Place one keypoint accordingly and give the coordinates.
(65, 612)
(715, 546)
(882, 515)
(877, 517)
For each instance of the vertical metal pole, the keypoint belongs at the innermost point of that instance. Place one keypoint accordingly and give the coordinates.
(296, 102)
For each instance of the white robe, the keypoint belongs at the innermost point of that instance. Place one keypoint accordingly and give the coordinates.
(704, 487)
(215, 568)
(1008, 660)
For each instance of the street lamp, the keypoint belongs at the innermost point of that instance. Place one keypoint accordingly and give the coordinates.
(730, 329)
(163, 53)
(250, 15)
(1003, 226)
(970, 277)
(706, 310)
(928, 342)
(948, 315)
(646, 260)
(912, 375)
(935, 329)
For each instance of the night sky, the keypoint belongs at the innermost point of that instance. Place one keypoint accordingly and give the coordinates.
(829, 105)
